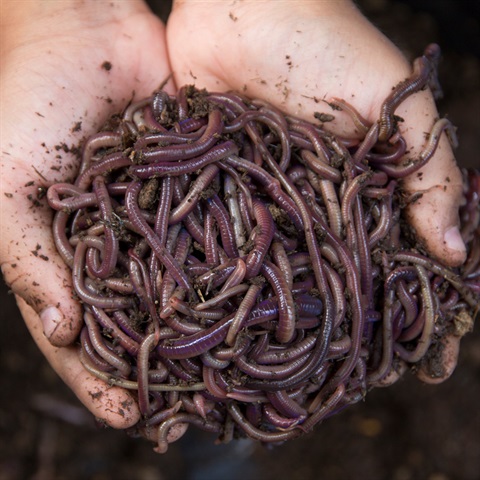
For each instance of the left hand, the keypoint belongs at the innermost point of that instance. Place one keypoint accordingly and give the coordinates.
(66, 67)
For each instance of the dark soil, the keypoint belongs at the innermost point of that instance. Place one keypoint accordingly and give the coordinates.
(406, 432)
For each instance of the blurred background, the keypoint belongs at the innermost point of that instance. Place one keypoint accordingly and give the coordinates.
(406, 432)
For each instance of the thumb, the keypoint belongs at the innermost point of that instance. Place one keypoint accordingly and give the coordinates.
(113, 405)
(434, 216)
(30, 263)
(434, 193)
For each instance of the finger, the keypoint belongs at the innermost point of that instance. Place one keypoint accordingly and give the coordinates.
(315, 55)
(439, 367)
(113, 405)
(445, 365)
(34, 159)
(32, 267)
(436, 189)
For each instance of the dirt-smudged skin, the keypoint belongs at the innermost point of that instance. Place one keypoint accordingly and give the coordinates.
(236, 235)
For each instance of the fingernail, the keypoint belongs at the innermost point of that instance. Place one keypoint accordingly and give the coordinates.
(453, 240)
(51, 317)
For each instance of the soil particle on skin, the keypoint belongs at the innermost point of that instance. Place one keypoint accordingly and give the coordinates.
(77, 127)
(96, 395)
(324, 117)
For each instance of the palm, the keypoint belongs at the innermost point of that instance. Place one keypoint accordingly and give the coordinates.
(81, 76)
(56, 90)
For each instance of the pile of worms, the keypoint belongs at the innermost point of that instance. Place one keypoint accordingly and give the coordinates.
(248, 272)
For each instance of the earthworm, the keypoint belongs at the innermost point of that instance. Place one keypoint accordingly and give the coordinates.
(426, 337)
(189, 150)
(292, 353)
(313, 134)
(231, 199)
(188, 418)
(282, 262)
(59, 231)
(397, 152)
(89, 297)
(242, 313)
(136, 218)
(359, 121)
(98, 344)
(423, 69)
(142, 373)
(330, 199)
(274, 418)
(182, 307)
(108, 163)
(324, 409)
(262, 240)
(111, 241)
(191, 198)
(165, 168)
(96, 142)
(75, 197)
(323, 169)
(89, 352)
(270, 184)
(286, 405)
(412, 165)
(211, 385)
(197, 343)
(108, 324)
(286, 309)
(236, 277)
(220, 214)
(255, 432)
(222, 297)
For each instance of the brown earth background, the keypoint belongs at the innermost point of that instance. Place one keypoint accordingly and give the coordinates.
(409, 431)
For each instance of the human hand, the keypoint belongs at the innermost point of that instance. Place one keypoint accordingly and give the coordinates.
(66, 67)
(295, 54)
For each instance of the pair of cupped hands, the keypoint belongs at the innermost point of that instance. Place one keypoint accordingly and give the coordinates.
(71, 61)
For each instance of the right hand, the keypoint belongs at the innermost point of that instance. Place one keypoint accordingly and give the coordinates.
(297, 54)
